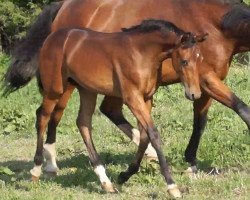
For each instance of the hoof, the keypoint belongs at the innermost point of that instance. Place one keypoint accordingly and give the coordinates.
(50, 174)
(191, 171)
(174, 192)
(150, 158)
(122, 178)
(108, 187)
(34, 179)
(150, 153)
(51, 171)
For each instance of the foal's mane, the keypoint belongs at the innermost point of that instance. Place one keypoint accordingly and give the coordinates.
(150, 25)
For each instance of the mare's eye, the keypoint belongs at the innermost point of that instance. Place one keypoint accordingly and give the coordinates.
(184, 62)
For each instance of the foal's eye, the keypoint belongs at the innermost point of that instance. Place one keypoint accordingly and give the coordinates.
(184, 62)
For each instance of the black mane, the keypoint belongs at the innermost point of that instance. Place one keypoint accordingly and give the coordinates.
(150, 25)
(237, 21)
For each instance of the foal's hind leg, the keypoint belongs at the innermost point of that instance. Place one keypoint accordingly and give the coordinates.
(84, 120)
(142, 112)
(43, 115)
(112, 108)
(49, 146)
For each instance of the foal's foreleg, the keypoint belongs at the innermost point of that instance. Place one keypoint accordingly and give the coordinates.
(43, 115)
(84, 120)
(140, 109)
(134, 167)
(112, 108)
(49, 146)
(144, 141)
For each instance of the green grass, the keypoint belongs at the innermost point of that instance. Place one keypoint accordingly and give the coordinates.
(225, 145)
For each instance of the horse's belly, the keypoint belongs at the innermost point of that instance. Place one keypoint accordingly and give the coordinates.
(93, 76)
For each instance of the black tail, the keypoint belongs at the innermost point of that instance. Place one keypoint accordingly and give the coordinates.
(24, 63)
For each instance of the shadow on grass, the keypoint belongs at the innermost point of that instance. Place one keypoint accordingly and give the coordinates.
(74, 171)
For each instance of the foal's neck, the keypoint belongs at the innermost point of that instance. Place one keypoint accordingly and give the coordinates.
(154, 43)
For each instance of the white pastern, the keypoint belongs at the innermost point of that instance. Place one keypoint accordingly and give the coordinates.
(150, 152)
(136, 136)
(192, 169)
(49, 152)
(172, 186)
(100, 172)
(36, 171)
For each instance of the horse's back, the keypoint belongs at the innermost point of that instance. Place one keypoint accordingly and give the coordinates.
(88, 59)
(112, 15)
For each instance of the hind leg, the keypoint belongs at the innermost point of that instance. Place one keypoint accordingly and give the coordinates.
(49, 146)
(112, 108)
(213, 88)
(84, 123)
(201, 107)
(43, 115)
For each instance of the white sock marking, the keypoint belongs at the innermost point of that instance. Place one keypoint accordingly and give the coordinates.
(36, 171)
(49, 152)
(192, 169)
(136, 136)
(100, 172)
(172, 186)
(150, 151)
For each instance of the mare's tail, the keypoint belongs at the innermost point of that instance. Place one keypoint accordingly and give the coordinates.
(24, 63)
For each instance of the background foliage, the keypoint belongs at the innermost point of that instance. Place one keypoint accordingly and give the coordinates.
(15, 17)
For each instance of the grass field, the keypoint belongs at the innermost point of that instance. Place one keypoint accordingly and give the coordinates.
(225, 145)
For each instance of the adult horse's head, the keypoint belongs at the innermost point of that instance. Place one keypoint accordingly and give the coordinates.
(186, 58)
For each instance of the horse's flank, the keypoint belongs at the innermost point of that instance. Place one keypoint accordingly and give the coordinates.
(79, 46)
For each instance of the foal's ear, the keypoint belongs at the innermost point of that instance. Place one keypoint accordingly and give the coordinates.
(182, 40)
(185, 38)
(201, 38)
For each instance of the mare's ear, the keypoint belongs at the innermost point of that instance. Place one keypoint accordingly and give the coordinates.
(201, 38)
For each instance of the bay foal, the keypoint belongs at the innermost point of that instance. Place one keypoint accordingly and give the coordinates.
(126, 65)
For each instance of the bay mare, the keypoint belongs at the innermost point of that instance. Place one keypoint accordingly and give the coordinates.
(226, 21)
(125, 65)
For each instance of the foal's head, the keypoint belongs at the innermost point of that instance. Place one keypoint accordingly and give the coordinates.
(178, 45)
(186, 58)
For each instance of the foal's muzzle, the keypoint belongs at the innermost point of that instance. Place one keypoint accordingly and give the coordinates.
(192, 96)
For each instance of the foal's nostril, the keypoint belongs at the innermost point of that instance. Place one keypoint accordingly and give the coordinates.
(193, 98)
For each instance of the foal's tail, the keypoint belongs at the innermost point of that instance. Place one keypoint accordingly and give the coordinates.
(24, 63)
